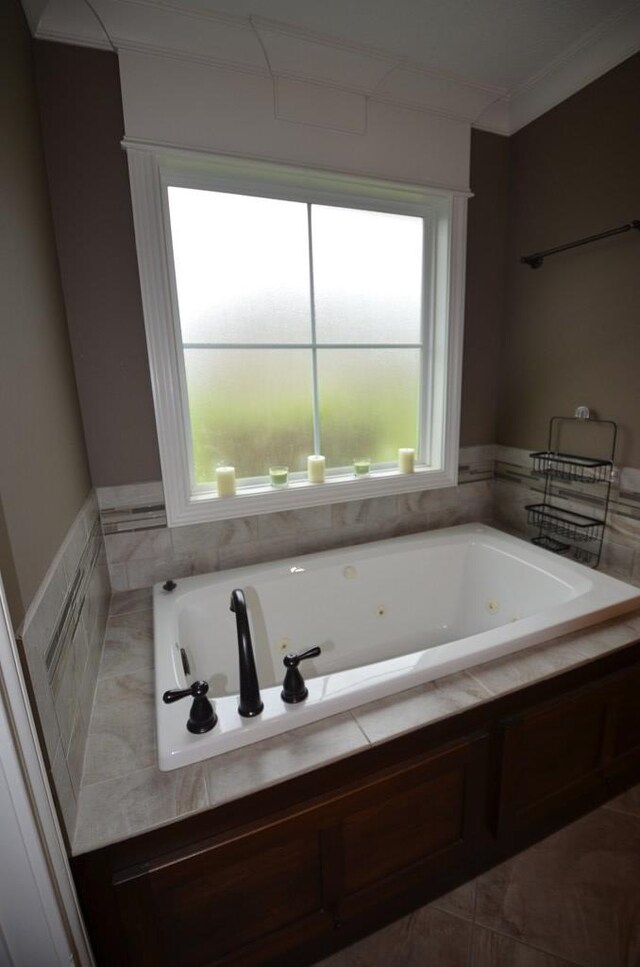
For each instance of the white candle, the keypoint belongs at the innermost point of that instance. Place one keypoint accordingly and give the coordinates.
(406, 459)
(315, 468)
(226, 481)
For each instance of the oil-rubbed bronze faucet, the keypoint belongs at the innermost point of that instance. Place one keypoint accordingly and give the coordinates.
(202, 717)
(293, 688)
(250, 702)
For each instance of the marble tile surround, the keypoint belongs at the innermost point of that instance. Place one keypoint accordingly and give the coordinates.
(495, 485)
(60, 642)
(142, 550)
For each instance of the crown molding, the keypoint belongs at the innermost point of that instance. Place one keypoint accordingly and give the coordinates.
(262, 46)
(591, 56)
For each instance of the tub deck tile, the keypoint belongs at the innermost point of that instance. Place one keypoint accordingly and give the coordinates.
(389, 717)
(542, 661)
(128, 644)
(122, 734)
(242, 771)
(118, 808)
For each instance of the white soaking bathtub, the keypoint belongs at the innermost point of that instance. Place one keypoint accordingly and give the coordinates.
(387, 616)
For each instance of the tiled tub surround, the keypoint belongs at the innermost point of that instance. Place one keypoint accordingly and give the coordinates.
(495, 485)
(142, 550)
(61, 641)
(515, 485)
(124, 793)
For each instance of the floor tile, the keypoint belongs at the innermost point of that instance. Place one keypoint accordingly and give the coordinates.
(490, 949)
(574, 895)
(427, 938)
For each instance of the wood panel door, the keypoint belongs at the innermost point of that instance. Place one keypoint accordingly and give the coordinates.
(254, 897)
(239, 901)
(551, 756)
(622, 755)
(409, 828)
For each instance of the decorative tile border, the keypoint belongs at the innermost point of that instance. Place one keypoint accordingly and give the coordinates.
(67, 624)
(133, 507)
(60, 642)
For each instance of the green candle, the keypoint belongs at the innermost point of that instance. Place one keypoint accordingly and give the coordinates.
(279, 476)
(362, 467)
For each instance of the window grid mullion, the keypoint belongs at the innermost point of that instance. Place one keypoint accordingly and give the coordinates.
(314, 350)
(302, 345)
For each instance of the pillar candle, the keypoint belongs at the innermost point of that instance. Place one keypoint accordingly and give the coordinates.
(226, 481)
(315, 468)
(406, 459)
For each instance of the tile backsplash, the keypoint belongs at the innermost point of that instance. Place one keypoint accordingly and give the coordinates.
(142, 550)
(60, 641)
(495, 483)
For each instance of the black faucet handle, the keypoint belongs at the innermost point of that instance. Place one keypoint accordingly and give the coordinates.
(197, 689)
(293, 688)
(293, 658)
(202, 717)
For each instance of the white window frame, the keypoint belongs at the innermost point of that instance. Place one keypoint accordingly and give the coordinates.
(151, 171)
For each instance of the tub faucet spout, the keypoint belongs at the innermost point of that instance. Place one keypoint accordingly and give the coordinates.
(250, 701)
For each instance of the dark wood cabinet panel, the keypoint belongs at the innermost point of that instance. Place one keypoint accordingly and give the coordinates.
(215, 901)
(404, 829)
(551, 755)
(243, 898)
(623, 745)
(411, 827)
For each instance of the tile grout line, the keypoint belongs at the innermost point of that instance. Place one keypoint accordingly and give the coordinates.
(360, 729)
(562, 960)
(471, 957)
(485, 688)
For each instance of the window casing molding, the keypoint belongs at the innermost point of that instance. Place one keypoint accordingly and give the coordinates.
(151, 170)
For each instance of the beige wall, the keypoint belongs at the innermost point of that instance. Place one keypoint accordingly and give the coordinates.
(485, 288)
(572, 333)
(79, 92)
(43, 472)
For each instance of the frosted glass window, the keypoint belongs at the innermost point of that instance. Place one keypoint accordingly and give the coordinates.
(302, 330)
(367, 269)
(291, 311)
(368, 403)
(250, 409)
(241, 267)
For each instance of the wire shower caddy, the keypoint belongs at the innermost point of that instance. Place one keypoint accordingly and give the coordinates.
(577, 478)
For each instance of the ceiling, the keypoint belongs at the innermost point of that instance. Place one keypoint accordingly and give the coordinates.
(496, 63)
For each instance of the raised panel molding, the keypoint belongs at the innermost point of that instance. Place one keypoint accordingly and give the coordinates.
(326, 107)
(293, 52)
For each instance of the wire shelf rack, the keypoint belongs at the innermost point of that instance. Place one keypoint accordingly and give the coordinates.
(566, 523)
(560, 529)
(567, 466)
(551, 544)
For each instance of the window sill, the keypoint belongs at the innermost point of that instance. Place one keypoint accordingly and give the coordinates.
(249, 501)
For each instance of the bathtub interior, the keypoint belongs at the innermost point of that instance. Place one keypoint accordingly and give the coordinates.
(364, 608)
